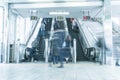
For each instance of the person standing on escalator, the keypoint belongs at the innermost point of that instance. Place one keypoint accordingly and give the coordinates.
(68, 41)
(75, 25)
(42, 29)
(67, 50)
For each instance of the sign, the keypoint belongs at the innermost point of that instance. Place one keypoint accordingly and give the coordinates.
(60, 18)
(33, 17)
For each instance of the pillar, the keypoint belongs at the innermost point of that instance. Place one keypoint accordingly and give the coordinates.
(107, 26)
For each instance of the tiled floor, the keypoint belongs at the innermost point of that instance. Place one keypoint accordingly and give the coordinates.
(42, 71)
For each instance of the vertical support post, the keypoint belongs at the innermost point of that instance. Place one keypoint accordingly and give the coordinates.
(107, 24)
(46, 50)
(12, 34)
(2, 35)
(18, 50)
(74, 49)
(6, 34)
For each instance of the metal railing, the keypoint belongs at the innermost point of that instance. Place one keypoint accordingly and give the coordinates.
(89, 39)
(93, 36)
(83, 34)
(47, 52)
(32, 32)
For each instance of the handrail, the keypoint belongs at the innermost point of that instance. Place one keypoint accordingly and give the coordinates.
(52, 29)
(51, 34)
(66, 27)
(98, 12)
(32, 31)
(92, 38)
(96, 55)
(71, 48)
(97, 20)
(83, 32)
(85, 37)
(84, 46)
(91, 33)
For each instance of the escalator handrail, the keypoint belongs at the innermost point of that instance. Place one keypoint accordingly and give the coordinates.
(96, 49)
(94, 37)
(31, 33)
(84, 48)
(51, 34)
(116, 26)
(86, 36)
(80, 29)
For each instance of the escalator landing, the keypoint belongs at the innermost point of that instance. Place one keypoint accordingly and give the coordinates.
(71, 71)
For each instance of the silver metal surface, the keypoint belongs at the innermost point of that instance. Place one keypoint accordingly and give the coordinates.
(107, 25)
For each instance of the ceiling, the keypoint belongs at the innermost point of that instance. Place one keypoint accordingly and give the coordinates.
(75, 8)
(44, 12)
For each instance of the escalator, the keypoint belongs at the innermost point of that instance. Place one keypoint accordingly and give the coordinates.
(40, 39)
(59, 25)
(48, 27)
(57, 50)
(75, 35)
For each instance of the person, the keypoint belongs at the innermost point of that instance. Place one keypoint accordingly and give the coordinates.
(71, 19)
(68, 41)
(50, 57)
(26, 54)
(53, 56)
(61, 59)
(117, 62)
(102, 46)
(56, 45)
(67, 48)
(74, 25)
(32, 52)
(56, 25)
(117, 56)
(42, 29)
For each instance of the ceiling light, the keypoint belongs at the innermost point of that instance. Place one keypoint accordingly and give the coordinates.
(59, 13)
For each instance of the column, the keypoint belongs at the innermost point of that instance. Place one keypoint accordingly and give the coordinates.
(107, 24)
(12, 36)
(5, 34)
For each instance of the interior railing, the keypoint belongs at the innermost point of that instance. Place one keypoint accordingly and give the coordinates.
(72, 49)
(32, 32)
(88, 40)
(47, 53)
